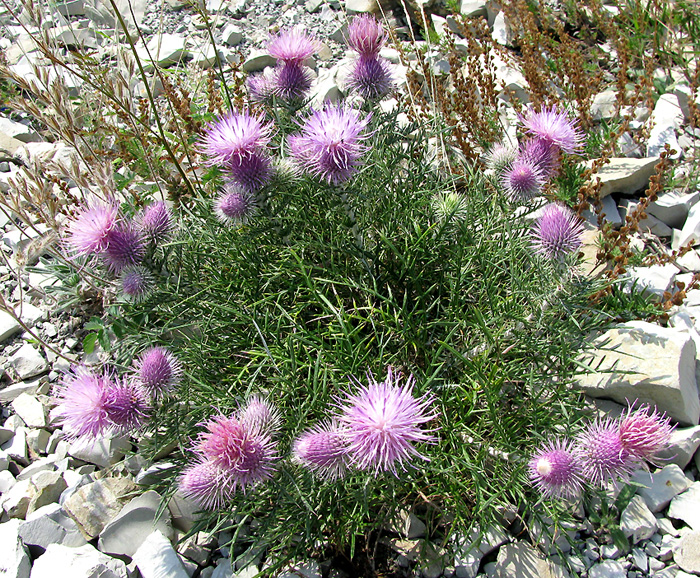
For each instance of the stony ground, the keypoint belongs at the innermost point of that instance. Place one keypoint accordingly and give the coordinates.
(81, 511)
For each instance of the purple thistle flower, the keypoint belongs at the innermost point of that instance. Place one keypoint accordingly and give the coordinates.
(331, 143)
(89, 229)
(555, 471)
(234, 136)
(522, 181)
(125, 247)
(371, 77)
(601, 453)
(292, 81)
(158, 371)
(207, 484)
(543, 154)
(260, 415)
(500, 158)
(557, 232)
(250, 171)
(323, 450)
(81, 399)
(127, 406)
(644, 432)
(261, 87)
(235, 205)
(555, 127)
(244, 452)
(292, 46)
(156, 222)
(383, 421)
(366, 35)
(137, 283)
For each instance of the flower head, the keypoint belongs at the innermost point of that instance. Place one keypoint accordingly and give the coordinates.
(554, 126)
(366, 35)
(292, 46)
(81, 399)
(259, 414)
(235, 205)
(125, 247)
(292, 81)
(261, 87)
(543, 154)
(500, 158)
(644, 432)
(383, 422)
(158, 371)
(555, 471)
(323, 450)
(371, 77)
(137, 283)
(523, 180)
(127, 406)
(245, 453)
(234, 136)
(207, 484)
(331, 143)
(89, 229)
(557, 232)
(601, 453)
(249, 171)
(156, 222)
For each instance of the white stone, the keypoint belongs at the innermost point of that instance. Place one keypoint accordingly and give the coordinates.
(648, 225)
(258, 61)
(625, 175)
(8, 326)
(653, 280)
(16, 501)
(501, 32)
(232, 35)
(686, 506)
(672, 207)
(691, 228)
(687, 554)
(19, 131)
(661, 487)
(472, 8)
(156, 558)
(166, 49)
(666, 117)
(14, 558)
(30, 409)
(82, 562)
(206, 58)
(45, 488)
(510, 78)
(325, 88)
(47, 464)
(637, 521)
(607, 569)
(16, 447)
(645, 362)
(49, 525)
(309, 569)
(681, 447)
(603, 105)
(102, 452)
(7, 480)
(520, 560)
(28, 362)
(361, 6)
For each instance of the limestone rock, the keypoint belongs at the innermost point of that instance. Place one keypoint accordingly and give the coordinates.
(687, 555)
(607, 569)
(166, 50)
(31, 410)
(691, 229)
(666, 118)
(14, 559)
(661, 369)
(681, 447)
(28, 362)
(472, 8)
(661, 487)
(653, 280)
(16, 501)
(637, 521)
(232, 35)
(19, 131)
(156, 558)
(102, 452)
(686, 507)
(49, 525)
(45, 488)
(82, 562)
(9, 144)
(672, 207)
(8, 326)
(649, 225)
(258, 61)
(519, 560)
(603, 105)
(625, 175)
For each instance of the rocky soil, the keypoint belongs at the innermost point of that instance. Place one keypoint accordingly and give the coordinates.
(74, 510)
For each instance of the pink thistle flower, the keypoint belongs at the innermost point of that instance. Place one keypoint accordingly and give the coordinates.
(207, 484)
(82, 398)
(235, 205)
(383, 422)
(125, 248)
(260, 415)
(156, 222)
(158, 371)
(557, 232)
(243, 452)
(500, 158)
(292, 46)
(323, 450)
(602, 454)
(235, 136)
(331, 143)
(137, 283)
(366, 35)
(250, 171)
(261, 87)
(555, 471)
(555, 127)
(127, 406)
(644, 432)
(542, 154)
(522, 181)
(88, 231)
(371, 77)
(292, 81)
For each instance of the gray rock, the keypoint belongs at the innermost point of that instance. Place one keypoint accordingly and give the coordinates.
(166, 50)
(361, 6)
(45, 488)
(691, 229)
(687, 555)
(258, 61)
(30, 409)
(681, 447)
(519, 560)
(637, 521)
(38, 440)
(134, 523)
(9, 145)
(603, 105)
(661, 487)
(624, 175)
(667, 117)
(156, 558)
(307, 569)
(41, 465)
(102, 452)
(653, 280)
(28, 362)
(82, 562)
(183, 511)
(232, 35)
(660, 366)
(609, 211)
(16, 389)
(649, 225)
(607, 569)
(16, 501)
(7, 480)
(19, 131)
(49, 525)
(71, 7)
(472, 8)
(686, 506)
(8, 326)
(14, 558)
(16, 447)
(672, 207)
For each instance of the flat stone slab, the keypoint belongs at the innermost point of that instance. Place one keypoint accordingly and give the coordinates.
(82, 562)
(519, 560)
(625, 175)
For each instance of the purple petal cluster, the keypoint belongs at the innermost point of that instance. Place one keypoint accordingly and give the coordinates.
(92, 404)
(370, 75)
(324, 450)
(554, 126)
(365, 35)
(557, 232)
(125, 247)
(606, 450)
(234, 205)
(156, 222)
(292, 46)
(522, 180)
(235, 452)
(331, 143)
(88, 231)
(158, 372)
(137, 283)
